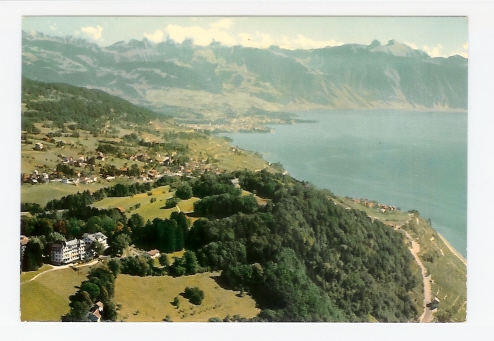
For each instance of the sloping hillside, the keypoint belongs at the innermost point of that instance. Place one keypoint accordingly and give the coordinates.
(218, 81)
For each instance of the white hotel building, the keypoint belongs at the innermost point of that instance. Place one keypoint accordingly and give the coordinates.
(63, 252)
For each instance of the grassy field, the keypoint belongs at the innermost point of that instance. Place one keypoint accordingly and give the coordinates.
(259, 200)
(47, 297)
(388, 218)
(150, 299)
(26, 276)
(155, 209)
(221, 150)
(447, 271)
(42, 193)
(187, 206)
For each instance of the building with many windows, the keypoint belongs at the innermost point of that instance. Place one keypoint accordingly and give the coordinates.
(90, 239)
(63, 252)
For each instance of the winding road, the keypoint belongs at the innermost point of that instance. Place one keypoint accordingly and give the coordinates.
(415, 249)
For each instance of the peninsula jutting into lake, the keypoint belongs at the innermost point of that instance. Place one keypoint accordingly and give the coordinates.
(200, 170)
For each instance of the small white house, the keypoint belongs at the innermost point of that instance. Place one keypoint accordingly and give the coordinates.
(89, 239)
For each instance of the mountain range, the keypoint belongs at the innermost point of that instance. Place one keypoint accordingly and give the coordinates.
(216, 80)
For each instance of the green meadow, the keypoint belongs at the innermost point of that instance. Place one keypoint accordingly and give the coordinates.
(149, 299)
(46, 298)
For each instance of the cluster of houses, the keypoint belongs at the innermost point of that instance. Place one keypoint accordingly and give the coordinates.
(36, 177)
(386, 208)
(143, 157)
(40, 178)
(66, 252)
(370, 204)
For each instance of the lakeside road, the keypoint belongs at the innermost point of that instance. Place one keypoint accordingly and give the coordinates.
(415, 249)
(452, 249)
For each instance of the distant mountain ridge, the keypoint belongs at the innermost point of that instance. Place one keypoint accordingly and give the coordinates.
(184, 78)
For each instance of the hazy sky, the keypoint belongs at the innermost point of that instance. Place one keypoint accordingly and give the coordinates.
(438, 36)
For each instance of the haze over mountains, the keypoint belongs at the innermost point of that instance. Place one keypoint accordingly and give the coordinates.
(189, 80)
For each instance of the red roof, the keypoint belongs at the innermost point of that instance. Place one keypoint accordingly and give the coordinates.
(153, 252)
(96, 313)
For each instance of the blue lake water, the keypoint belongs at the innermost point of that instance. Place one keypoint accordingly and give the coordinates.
(412, 160)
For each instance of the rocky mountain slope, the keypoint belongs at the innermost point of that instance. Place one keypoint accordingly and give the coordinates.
(218, 81)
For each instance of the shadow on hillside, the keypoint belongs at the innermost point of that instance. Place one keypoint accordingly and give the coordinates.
(221, 282)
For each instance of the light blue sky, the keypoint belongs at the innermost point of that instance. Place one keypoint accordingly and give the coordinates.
(438, 36)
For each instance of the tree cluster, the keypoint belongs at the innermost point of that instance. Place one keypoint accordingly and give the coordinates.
(194, 295)
(224, 205)
(166, 235)
(99, 286)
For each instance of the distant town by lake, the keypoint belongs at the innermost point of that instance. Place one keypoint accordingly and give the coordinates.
(412, 160)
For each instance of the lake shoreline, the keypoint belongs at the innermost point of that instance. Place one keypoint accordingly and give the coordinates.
(415, 160)
(452, 249)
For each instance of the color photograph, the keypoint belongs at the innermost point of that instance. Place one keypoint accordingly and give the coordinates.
(244, 169)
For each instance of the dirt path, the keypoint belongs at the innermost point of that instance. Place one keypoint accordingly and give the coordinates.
(415, 249)
(60, 268)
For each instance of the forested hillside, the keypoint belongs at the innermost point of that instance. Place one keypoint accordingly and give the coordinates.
(82, 108)
(300, 256)
(304, 258)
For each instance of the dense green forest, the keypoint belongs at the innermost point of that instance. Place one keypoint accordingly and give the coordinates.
(300, 256)
(303, 258)
(86, 109)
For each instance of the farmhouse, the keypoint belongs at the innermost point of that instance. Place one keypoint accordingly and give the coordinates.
(94, 314)
(63, 252)
(153, 253)
(38, 146)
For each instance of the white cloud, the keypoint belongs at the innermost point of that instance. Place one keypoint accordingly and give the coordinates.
(199, 35)
(260, 40)
(222, 24)
(93, 32)
(302, 42)
(433, 51)
(155, 37)
(412, 45)
(263, 40)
